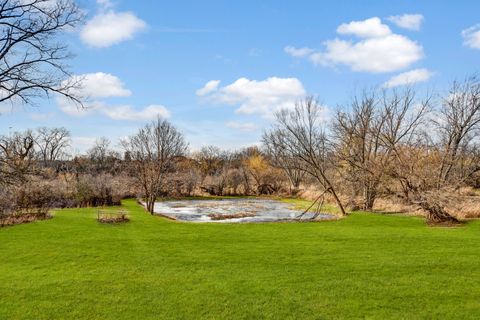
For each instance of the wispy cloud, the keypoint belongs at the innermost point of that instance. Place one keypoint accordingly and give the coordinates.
(96, 87)
(409, 77)
(408, 21)
(471, 37)
(241, 126)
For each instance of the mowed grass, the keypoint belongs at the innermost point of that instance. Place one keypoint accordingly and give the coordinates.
(364, 266)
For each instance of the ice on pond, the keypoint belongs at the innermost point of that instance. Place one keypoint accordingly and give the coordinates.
(230, 210)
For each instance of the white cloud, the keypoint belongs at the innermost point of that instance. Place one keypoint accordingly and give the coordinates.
(109, 28)
(385, 54)
(114, 112)
(128, 113)
(210, 86)
(94, 88)
(471, 37)
(407, 21)
(91, 87)
(100, 85)
(409, 77)
(369, 28)
(377, 51)
(259, 97)
(242, 126)
(298, 52)
(72, 109)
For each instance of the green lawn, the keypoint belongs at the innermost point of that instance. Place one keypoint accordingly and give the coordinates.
(364, 266)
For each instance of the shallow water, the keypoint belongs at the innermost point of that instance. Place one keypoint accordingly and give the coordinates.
(262, 209)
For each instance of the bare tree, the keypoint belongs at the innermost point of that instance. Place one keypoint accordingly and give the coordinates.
(152, 154)
(102, 157)
(237, 160)
(358, 134)
(16, 157)
(100, 149)
(301, 134)
(281, 158)
(32, 57)
(210, 160)
(447, 155)
(51, 143)
(414, 161)
(458, 124)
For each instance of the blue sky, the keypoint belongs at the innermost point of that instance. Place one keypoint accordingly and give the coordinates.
(144, 58)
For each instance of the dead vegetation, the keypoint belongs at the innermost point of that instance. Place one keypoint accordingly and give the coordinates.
(11, 220)
(111, 216)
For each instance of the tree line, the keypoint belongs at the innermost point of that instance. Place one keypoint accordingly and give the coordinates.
(383, 144)
(387, 142)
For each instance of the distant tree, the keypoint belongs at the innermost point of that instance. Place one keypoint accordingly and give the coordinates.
(51, 143)
(32, 55)
(153, 150)
(16, 157)
(258, 166)
(210, 160)
(458, 124)
(281, 158)
(102, 157)
(268, 179)
(100, 149)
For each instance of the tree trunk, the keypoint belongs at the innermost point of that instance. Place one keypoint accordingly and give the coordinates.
(150, 201)
(339, 203)
(436, 214)
(369, 198)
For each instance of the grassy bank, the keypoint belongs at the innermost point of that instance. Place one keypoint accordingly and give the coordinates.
(368, 266)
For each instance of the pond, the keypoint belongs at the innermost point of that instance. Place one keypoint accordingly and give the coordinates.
(231, 210)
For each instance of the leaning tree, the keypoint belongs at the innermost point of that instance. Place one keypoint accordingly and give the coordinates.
(300, 134)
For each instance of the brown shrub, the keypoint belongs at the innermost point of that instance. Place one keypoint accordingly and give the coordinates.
(19, 219)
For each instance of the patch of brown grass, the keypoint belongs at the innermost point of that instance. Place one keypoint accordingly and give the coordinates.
(22, 218)
(462, 204)
(395, 205)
